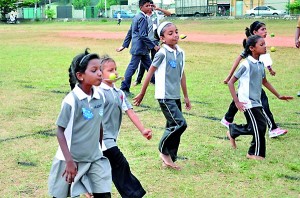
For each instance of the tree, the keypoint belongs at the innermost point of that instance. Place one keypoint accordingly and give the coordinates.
(79, 4)
(294, 7)
(101, 4)
(6, 6)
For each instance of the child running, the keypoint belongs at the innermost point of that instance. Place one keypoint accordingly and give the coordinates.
(256, 28)
(168, 65)
(126, 183)
(79, 167)
(251, 76)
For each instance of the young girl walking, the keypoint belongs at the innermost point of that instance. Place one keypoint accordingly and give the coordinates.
(79, 166)
(256, 28)
(251, 76)
(168, 65)
(116, 102)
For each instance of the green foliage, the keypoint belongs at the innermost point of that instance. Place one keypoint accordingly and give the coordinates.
(6, 6)
(80, 4)
(50, 13)
(101, 4)
(294, 7)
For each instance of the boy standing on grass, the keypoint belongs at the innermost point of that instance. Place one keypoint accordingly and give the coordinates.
(140, 44)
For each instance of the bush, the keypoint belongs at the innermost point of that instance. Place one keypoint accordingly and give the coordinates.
(50, 13)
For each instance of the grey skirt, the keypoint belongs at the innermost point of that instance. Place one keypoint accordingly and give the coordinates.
(93, 177)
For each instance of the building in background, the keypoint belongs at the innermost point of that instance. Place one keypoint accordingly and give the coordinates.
(239, 7)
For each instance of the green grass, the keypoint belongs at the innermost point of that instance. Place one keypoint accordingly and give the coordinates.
(33, 81)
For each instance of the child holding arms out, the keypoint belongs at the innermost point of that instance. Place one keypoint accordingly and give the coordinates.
(116, 102)
(79, 166)
(168, 65)
(251, 76)
(256, 28)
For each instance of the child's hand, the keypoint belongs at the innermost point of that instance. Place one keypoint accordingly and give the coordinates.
(120, 49)
(70, 171)
(187, 102)
(240, 106)
(138, 99)
(147, 133)
(225, 81)
(272, 72)
(287, 98)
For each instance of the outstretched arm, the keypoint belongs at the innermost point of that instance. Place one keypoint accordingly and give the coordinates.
(71, 167)
(147, 133)
(126, 41)
(138, 99)
(238, 104)
(187, 102)
(233, 68)
(273, 90)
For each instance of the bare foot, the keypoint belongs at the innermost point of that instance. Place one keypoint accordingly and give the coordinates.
(232, 141)
(255, 157)
(167, 162)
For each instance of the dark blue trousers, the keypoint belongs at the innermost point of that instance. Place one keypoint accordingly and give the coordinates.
(141, 70)
(132, 67)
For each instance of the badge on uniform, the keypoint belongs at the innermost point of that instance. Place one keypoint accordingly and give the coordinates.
(87, 113)
(172, 63)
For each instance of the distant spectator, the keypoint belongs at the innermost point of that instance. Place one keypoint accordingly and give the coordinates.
(119, 18)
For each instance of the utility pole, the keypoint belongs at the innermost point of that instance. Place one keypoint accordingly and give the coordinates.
(105, 9)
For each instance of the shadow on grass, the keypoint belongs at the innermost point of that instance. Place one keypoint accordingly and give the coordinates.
(294, 178)
(47, 133)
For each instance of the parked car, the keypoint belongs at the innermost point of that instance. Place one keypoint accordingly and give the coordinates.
(265, 10)
(124, 14)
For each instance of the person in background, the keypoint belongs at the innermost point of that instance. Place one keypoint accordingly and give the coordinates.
(297, 42)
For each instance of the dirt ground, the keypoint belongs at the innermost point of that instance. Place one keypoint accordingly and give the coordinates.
(193, 37)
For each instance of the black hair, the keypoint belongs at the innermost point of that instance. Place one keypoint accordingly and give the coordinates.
(143, 2)
(104, 59)
(164, 29)
(253, 27)
(251, 42)
(79, 64)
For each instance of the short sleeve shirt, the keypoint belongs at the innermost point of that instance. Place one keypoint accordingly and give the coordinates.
(265, 58)
(170, 66)
(81, 119)
(250, 74)
(115, 103)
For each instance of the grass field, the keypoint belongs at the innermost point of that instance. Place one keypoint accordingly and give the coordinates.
(33, 81)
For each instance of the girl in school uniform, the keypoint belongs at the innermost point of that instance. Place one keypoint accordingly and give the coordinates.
(115, 103)
(256, 28)
(168, 65)
(251, 76)
(79, 166)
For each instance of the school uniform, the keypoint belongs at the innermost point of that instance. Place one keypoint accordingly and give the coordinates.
(81, 117)
(139, 48)
(170, 67)
(232, 109)
(115, 103)
(250, 75)
(153, 23)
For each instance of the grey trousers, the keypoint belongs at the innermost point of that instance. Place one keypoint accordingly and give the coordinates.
(175, 126)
